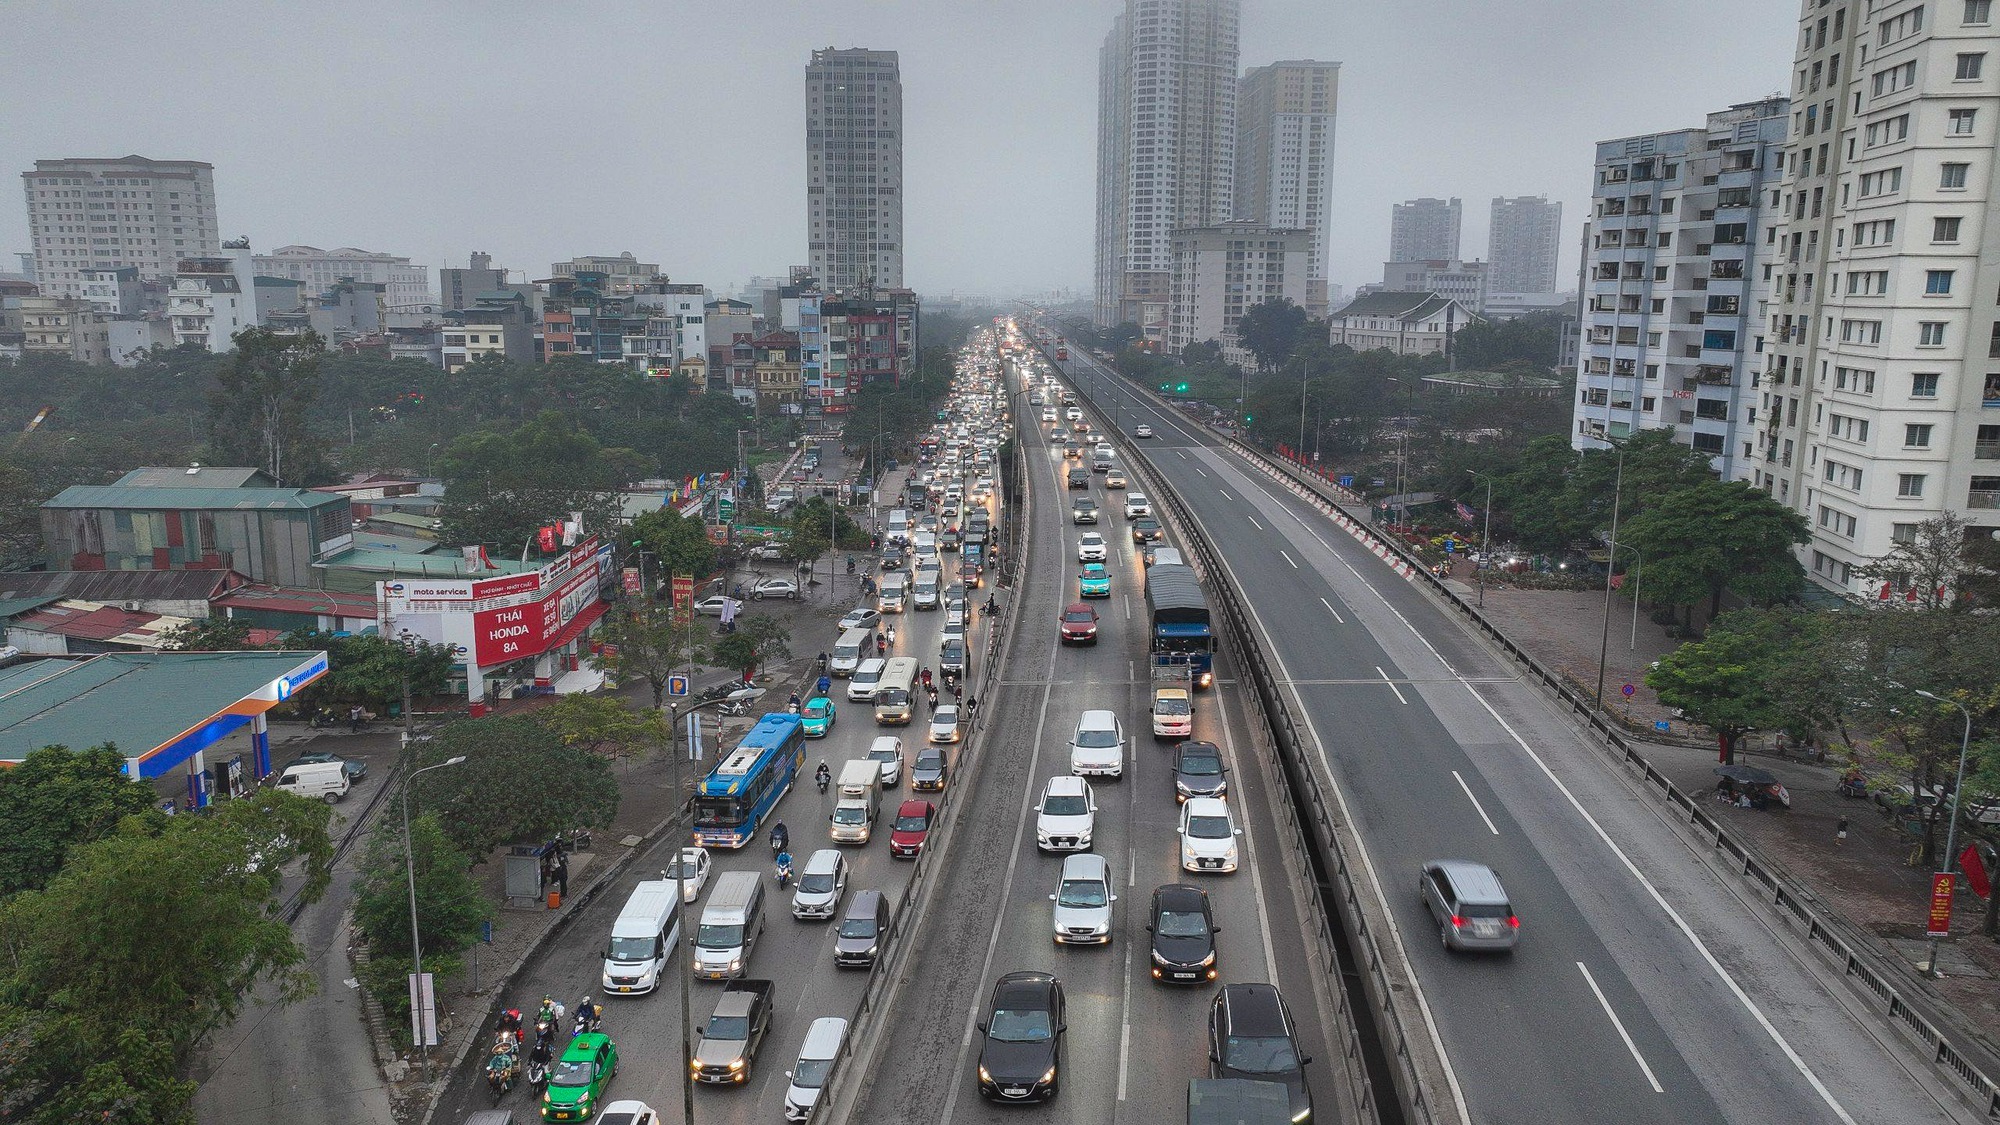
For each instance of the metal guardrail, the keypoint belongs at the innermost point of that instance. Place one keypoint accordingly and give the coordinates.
(1344, 943)
(1957, 1052)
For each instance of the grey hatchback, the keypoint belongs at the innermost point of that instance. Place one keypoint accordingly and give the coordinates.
(1469, 904)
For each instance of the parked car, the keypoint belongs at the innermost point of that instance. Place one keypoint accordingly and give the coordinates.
(775, 588)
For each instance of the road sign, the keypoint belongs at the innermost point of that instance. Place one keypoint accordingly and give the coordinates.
(1662, 725)
(1940, 912)
(1628, 690)
(677, 684)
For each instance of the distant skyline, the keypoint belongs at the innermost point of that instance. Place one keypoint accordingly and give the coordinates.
(438, 129)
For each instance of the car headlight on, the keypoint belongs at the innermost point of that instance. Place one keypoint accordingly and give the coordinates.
(1048, 1076)
(984, 1074)
(1302, 1115)
(1208, 960)
(736, 1064)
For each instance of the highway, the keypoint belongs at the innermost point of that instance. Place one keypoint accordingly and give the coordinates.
(795, 954)
(1643, 989)
(1132, 1043)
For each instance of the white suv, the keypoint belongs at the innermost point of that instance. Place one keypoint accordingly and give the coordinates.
(1098, 746)
(1208, 835)
(1066, 816)
(1137, 505)
(1083, 899)
(1090, 548)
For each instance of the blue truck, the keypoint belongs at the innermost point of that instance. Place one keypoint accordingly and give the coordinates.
(1181, 637)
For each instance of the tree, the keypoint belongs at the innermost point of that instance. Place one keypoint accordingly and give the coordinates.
(58, 799)
(145, 941)
(503, 487)
(450, 905)
(1723, 681)
(650, 641)
(1529, 341)
(208, 634)
(1933, 568)
(680, 543)
(1269, 330)
(1697, 542)
(257, 413)
(518, 783)
(817, 527)
(20, 519)
(603, 724)
(758, 640)
(368, 669)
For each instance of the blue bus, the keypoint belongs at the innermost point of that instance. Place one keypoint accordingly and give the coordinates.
(745, 786)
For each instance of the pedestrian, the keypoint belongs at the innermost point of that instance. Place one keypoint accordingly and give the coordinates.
(354, 718)
(562, 875)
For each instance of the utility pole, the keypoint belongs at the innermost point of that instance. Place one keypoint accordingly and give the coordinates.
(1485, 537)
(1610, 557)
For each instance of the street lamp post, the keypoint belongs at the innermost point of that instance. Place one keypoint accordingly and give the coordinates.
(1604, 641)
(674, 955)
(1957, 795)
(416, 940)
(1641, 560)
(1485, 536)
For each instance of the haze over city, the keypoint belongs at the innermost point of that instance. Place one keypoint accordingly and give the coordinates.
(676, 130)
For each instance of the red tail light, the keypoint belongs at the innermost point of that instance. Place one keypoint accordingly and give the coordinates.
(1513, 922)
(1457, 922)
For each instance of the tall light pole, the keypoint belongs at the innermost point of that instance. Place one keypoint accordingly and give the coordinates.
(1641, 560)
(416, 940)
(674, 955)
(1485, 536)
(1302, 410)
(1957, 796)
(1604, 642)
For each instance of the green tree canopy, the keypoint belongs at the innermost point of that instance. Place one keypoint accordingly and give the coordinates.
(603, 724)
(518, 784)
(368, 669)
(1697, 542)
(679, 545)
(650, 641)
(759, 639)
(1270, 329)
(502, 487)
(1724, 680)
(208, 634)
(257, 412)
(450, 904)
(58, 799)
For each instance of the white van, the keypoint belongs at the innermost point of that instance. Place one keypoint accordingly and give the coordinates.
(847, 651)
(319, 781)
(645, 930)
(898, 527)
(867, 674)
(730, 925)
(926, 589)
(892, 593)
(824, 1040)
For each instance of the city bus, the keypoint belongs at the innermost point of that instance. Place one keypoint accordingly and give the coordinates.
(744, 787)
(895, 695)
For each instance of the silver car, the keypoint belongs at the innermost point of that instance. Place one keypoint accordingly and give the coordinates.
(1470, 905)
(1083, 901)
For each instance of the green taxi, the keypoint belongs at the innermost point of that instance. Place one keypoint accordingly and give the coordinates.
(577, 1083)
(817, 716)
(1094, 582)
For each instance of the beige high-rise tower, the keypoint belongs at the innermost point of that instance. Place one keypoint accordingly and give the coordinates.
(1284, 156)
(854, 168)
(93, 212)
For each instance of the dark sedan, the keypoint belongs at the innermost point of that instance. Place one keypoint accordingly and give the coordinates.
(354, 770)
(1198, 771)
(1251, 1035)
(930, 769)
(1183, 930)
(1020, 1058)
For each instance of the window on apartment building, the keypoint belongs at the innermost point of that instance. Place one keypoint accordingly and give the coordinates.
(1889, 131)
(1885, 182)
(1860, 331)
(1854, 379)
(1945, 228)
(1960, 123)
(1930, 334)
(1978, 11)
(1969, 67)
(1924, 384)
(1937, 283)
(1951, 177)
(1910, 485)
(1917, 435)
(1900, 77)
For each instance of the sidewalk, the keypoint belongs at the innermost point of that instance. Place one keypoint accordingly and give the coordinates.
(1867, 878)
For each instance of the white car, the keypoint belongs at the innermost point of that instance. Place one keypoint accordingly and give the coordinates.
(769, 552)
(1137, 505)
(887, 750)
(1208, 835)
(1090, 548)
(775, 588)
(1115, 478)
(944, 724)
(867, 676)
(821, 883)
(1098, 746)
(1066, 816)
(630, 1113)
(1083, 899)
(693, 864)
(1142, 430)
(860, 617)
(714, 604)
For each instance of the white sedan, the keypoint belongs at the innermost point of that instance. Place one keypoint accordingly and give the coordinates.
(1090, 548)
(714, 604)
(692, 865)
(1208, 835)
(944, 724)
(860, 617)
(1142, 430)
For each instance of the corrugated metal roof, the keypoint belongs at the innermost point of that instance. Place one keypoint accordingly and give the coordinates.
(197, 476)
(119, 585)
(140, 498)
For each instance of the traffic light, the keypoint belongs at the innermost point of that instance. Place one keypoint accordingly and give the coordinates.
(1164, 387)
(1181, 389)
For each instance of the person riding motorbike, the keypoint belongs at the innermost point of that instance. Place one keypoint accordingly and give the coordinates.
(992, 605)
(784, 869)
(892, 636)
(850, 564)
(589, 1017)
(792, 704)
(781, 837)
(823, 776)
(510, 1025)
(541, 1058)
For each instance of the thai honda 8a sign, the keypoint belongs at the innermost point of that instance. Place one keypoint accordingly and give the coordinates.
(515, 619)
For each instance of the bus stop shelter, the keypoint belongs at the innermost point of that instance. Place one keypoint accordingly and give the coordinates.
(161, 710)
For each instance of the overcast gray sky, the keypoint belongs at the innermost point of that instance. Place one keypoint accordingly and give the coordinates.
(538, 131)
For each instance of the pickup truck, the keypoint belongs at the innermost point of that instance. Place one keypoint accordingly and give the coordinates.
(729, 1041)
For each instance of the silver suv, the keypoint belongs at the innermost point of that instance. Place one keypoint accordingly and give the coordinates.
(1083, 901)
(1469, 904)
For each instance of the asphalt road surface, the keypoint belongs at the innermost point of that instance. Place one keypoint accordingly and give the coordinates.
(1643, 989)
(1132, 1043)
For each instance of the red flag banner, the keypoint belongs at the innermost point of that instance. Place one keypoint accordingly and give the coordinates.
(1974, 868)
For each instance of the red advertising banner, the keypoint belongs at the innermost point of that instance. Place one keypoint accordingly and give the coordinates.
(1940, 912)
(630, 577)
(683, 591)
(526, 626)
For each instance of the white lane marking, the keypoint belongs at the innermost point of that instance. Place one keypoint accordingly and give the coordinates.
(1392, 685)
(1335, 612)
(1181, 453)
(1253, 521)
(1132, 868)
(1125, 1026)
(1477, 807)
(1199, 469)
(1128, 605)
(1673, 915)
(1617, 1023)
(1226, 495)
(1256, 869)
(1289, 558)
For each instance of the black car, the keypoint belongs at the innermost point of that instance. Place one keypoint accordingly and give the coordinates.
(930, 769)
(1020, 1058)
(1251, 1035)
(951, 656)
(1198, 771)
(1146, 530)
(354, 770)
(1183, 932)
(892, 556)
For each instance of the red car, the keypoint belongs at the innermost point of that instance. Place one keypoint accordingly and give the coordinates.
(913, 827)
(1079, 625)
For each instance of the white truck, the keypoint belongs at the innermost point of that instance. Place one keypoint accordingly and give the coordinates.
(858, 802)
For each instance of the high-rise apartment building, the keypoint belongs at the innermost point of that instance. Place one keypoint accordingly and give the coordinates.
(854, 168)
(1677, 284)
(1425, 230)
(1284, 156)
(1220, 272)
(1879, 412)
(86, 213)
(1166, 146)
(1522, 244)
(406, 285)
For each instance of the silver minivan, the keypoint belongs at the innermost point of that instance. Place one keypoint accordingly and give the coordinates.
(821, 886)
(825, 1039)
(1469, 904)
(863, 929)
(1083, 901)
(730, 925)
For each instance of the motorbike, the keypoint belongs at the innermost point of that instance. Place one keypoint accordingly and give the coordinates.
(824, 780)
(779, 838)
(784, 871)
(502, 1070)
(589, 1018)
(541, 1060)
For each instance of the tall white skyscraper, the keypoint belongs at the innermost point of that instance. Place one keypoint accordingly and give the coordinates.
(1878, 409)
(854, 168)
(1284, 156)
(1425, 230)
(111, 212)
(1522, 244)
(1166, 145)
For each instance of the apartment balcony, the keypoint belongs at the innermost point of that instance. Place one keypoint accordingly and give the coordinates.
(1982, 497)
(1714, 375)
(1726, 268)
